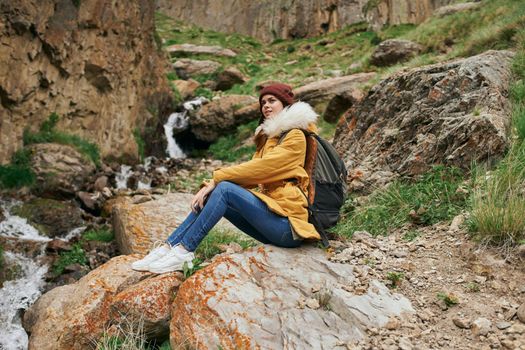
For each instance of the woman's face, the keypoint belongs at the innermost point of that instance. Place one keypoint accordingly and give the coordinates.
(271, 106)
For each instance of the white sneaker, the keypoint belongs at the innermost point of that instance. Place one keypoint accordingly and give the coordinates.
(156, 253)
(173, 261)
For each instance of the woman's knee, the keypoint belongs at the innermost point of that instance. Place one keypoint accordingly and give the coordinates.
(225, 186)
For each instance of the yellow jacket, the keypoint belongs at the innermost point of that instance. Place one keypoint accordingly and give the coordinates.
(269, 173)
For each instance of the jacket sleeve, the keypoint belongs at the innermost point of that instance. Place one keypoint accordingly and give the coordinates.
(280, 163)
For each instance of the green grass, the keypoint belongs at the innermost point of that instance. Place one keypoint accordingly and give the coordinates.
(18, 173)
(75, 255)
(433, 198)
(228, 148)
(498, 202)
(141, 144)
(47, 133)
(448, 298)
(101, 235)
(209, 247)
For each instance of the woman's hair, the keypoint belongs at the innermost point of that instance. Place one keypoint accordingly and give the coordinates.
(283, 93)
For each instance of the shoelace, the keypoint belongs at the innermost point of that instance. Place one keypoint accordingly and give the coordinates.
(158, 243)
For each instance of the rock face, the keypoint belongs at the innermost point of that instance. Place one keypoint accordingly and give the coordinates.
(268, 20)
(221, 116)
(274, 298)
(393, 51)
(138, 226)
(455, 8)
(94, 63)
(451, 113)
(60, 169)
(75, 316)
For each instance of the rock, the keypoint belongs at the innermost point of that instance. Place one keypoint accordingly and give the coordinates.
(186, 68)
(454, 8)
(89, 200)
(392, 51)
(321, 92)
(149, 301)
(405, 344)
(76, 315)
(50, 217)
(186, 88)
(393, 323)
(481, 326)
(58, 245)
(339, 104)
(244, 290)
(293, 20)
(503, 325)
(191, 49)
(312, 303)
(219, 117)
(229, 77)
(521, 251)
(101, 183)
(452, 113)
(71, 60)
(521, 313)
(60, 169)
(463, 323)
(138, 226)
(456, 223)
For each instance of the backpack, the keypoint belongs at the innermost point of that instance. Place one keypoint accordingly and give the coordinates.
(327, 187)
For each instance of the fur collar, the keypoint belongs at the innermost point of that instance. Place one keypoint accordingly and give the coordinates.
(296, 116)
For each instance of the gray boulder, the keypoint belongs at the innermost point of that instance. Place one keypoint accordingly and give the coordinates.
(275, 298)
(451, 113)
(393, 51)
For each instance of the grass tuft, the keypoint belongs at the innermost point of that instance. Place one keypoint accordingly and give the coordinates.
(434, 197)
(74, 256)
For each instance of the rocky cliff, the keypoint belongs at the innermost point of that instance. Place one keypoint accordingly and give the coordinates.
(95, 63)
(268, 20)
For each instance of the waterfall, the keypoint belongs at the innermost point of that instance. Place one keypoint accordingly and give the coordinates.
(178, 122)
(122, 177)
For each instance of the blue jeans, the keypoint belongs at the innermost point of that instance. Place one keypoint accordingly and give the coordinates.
(243, 209)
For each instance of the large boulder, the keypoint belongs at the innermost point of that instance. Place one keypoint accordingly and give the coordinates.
(276, 298)
(138, 225)
(340, 103)
(229, 77)
(321, 92)
(186, 68)
(221, 116)
(60, 169)
(51, 217)
(190, 49)
(186, 88)
(393, 51)
(452, 113)
(76, 316)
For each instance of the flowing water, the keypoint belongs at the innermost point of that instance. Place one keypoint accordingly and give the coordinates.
(17, 295)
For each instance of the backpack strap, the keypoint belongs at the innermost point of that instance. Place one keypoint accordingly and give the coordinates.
(310, 157)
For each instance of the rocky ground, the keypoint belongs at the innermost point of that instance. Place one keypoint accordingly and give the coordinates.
(465, 296)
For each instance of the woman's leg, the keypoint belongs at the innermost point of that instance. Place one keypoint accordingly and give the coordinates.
(276, 229)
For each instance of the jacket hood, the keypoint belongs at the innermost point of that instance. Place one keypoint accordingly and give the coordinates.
(299, 115)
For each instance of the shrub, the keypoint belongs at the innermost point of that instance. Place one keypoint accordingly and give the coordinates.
(229, 148)
(75, 255)
(18, 173)
(101, 235)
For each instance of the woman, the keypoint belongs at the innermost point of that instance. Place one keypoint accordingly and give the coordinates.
(264, 197)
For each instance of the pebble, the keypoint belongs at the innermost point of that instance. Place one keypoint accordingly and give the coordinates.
(405, 344)
(393, 323)
(312, 303)
(462, 322)
(521, 313)
(503, 325)
(481, 326)
(399, 253)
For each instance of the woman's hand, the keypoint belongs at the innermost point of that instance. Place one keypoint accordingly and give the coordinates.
(197, 203)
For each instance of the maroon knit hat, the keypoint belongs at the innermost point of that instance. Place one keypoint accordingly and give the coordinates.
(282, 91)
